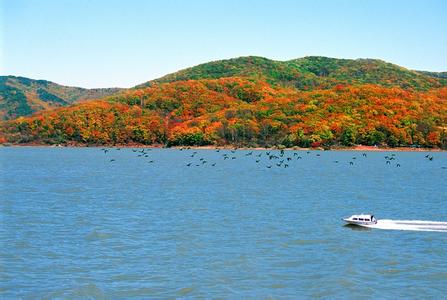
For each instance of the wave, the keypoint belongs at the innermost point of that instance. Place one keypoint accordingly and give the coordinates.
(413, 225)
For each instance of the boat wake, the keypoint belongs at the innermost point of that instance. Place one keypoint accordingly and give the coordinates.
(413, 225)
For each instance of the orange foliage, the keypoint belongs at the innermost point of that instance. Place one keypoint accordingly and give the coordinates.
(246, 112)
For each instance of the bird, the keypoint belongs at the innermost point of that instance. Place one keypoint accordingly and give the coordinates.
(257, 160)
(286, 165)
(234, 157)
(430, 158)
(112, 159)
(388, 162)
(398, 165)
(213, 164)
(351, 163)
(289, 158)
(151, 161)
(364, 154)
(188, 164)
(268, 167)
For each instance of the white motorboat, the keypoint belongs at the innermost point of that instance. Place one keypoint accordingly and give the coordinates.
(361, 220)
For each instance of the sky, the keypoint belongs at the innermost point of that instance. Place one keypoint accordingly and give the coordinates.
(110, 43)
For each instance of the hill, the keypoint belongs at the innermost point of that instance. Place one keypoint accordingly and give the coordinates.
(245, 112)
(20, 96)
(247, 101)
(312, 72)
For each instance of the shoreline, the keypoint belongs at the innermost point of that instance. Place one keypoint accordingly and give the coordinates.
(230, 147)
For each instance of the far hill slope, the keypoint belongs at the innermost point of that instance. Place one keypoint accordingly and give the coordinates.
(310, 72)
(434, 74)
(20, 96)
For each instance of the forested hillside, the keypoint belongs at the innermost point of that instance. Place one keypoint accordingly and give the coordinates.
(20, 96)
(246, 112)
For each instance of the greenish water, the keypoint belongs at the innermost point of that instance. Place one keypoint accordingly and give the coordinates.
(73, 223)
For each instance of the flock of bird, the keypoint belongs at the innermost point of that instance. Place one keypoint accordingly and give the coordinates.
(267, 158)
(140, 153)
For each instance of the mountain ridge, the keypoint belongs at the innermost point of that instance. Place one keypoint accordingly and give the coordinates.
(309, 72)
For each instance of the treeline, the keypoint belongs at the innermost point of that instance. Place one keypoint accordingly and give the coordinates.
(245, 112)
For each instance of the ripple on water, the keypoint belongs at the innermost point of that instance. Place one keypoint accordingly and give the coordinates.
(97, 235)
(185, 291)
(308, 242)
(87, 291)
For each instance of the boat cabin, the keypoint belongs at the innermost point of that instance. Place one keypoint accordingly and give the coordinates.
(361, 219)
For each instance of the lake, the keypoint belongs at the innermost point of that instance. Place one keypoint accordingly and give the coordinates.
(88, 223)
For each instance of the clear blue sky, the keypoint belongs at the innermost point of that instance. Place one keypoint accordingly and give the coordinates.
(105, 43)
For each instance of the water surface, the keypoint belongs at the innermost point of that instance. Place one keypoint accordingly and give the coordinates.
(73, 223)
